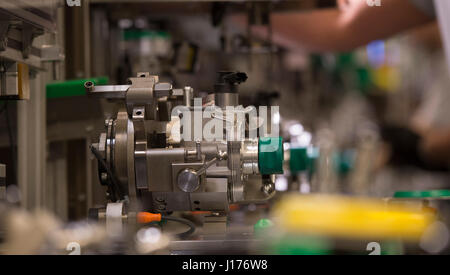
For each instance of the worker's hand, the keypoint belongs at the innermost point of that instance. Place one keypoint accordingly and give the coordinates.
(344, 5)
(435, 146)
(426, 150)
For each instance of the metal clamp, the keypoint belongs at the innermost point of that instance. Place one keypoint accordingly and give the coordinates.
(188, 180)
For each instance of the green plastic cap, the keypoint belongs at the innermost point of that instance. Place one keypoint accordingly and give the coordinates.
(423, 194)
(299, 159)
(262, 225)
(270, 155)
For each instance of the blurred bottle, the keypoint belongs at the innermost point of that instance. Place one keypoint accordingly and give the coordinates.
(325, 180)
(364, 165)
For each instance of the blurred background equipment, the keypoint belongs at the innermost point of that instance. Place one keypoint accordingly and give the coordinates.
(95, 157)
(27, 48)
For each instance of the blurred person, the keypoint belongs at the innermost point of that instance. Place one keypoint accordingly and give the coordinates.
(425, 78)
(354, 23)
(432, 119)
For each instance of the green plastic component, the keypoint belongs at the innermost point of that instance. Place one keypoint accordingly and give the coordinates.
(299, 160)
(391, 248)
(302, 245)
(423, 194)
(364, 77)
(344, 162)
(262, 225)
(313, 155)
(303, 159)
(72, 87)
(139, 34)
(270, 155)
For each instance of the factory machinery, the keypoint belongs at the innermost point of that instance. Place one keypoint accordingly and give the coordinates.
(170, 159)
(151, 163)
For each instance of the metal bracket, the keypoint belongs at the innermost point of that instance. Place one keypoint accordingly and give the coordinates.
(4, 27)
(4, 66)
(236, 188)
(140, 148)
(106, 91)
(51, 53)
(27, 39)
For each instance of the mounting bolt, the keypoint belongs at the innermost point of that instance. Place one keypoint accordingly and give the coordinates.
(160, 199)
(268, 188)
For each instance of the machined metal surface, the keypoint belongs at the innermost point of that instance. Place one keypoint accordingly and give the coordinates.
(141, 94)
(140, 148)
(163, 175)
(121, 148)
(188, 180)
(226, 99)
(249, 156)
(234, 163)
(109, 91)
(188, 95)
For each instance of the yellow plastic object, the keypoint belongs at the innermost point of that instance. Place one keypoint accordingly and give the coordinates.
(348, 217)
(387, 78)
(23, 81)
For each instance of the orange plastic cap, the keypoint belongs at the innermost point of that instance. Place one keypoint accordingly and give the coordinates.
(146, 217)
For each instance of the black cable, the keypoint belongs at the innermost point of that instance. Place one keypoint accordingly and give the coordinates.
(115, 185)
(183, 221)
(111, 176)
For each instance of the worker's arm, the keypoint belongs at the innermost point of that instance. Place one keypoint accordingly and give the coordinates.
(354, 24)
(436, 146)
